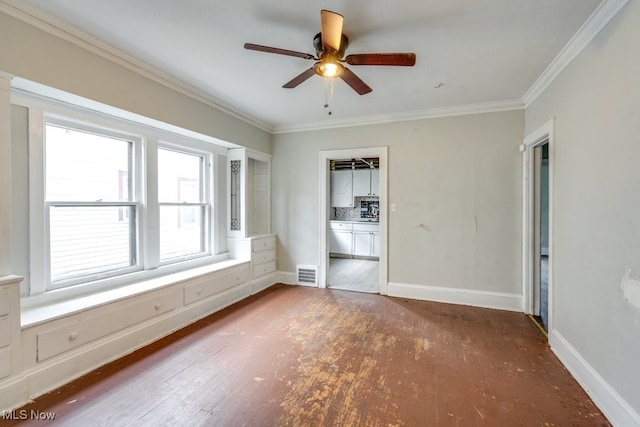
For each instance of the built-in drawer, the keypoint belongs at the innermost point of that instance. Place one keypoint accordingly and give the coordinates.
(264, 256)
(94, 324)
(4, 301)
(263, 243)
(346, 226)
(264, 269)
(371, 228)
(5, 332)
(5, 362)
(204, 287)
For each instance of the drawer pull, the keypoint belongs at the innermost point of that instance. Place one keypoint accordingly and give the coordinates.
(157, 306)
(73, 336)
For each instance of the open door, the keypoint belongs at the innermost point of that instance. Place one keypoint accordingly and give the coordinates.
(540, 216)
(537, 253)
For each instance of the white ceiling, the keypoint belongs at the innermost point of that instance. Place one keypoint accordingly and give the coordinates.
(469, 52)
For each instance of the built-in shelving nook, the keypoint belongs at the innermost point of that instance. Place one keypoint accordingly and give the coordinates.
(249, 214)
(249, 178)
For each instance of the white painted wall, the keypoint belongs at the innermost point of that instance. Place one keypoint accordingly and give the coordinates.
(460, 177)
(596, 103)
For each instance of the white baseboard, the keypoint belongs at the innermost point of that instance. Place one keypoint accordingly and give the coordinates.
(484, 299)
(614, 407)
(287, 278)
(262, 283)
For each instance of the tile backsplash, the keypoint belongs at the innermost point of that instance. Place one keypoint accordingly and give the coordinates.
(365, 207)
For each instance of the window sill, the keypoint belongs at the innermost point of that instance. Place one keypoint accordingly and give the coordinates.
(34, 315)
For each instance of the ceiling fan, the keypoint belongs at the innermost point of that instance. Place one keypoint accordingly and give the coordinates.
(330, 45)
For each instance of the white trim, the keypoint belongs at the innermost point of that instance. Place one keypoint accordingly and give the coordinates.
(323, 205)
(6, 225)
(288, 278)
(28, 93)
(471, 297)
(615, 408)
(592, 26)
(430, 113)
(50, 24)
(544, 133)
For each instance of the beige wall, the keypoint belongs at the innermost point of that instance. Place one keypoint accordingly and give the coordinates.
(38, 56)
(460, 176)
(596, 103)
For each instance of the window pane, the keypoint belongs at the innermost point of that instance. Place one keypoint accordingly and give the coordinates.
(91, 240)
(81, 166)
(179, 177)
(181, 231)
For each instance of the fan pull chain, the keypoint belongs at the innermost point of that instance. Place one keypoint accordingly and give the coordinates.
(328, 94)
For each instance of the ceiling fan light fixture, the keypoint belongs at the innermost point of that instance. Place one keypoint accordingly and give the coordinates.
(329, 69)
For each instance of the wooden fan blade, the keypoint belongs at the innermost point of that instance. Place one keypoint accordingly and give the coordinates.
(277, 50)
(399, 59)
(331, 29)
(300, 78)
(355, 82)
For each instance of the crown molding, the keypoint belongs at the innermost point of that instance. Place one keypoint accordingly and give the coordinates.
(52, 25)
(431, 113)
(592, 26)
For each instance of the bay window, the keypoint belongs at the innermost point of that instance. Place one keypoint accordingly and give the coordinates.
(113, 202)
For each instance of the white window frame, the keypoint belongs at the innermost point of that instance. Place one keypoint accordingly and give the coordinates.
(206, 196)
(148, 139)
(136, 201)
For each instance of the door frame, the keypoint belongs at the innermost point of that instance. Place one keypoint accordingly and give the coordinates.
(324, 203)
(544, 134)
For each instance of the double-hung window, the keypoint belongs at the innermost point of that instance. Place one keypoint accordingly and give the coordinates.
(91, 203)
(116, 202)
(183, 196)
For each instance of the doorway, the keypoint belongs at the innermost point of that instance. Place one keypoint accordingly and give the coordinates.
(541, 234)
(537, 225)
(354, 214)
(360, 262)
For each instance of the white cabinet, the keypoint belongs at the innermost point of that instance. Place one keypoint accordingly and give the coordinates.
(9, 325)
(263, 255)
(366, 240)
(341, 189)
(361, 243)
(261, 251)
(365, 182)
(360, 240)
(375, 182)
(375, 242)
(361, 182)
(341, 238)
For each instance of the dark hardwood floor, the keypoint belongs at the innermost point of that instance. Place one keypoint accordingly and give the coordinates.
(300, 356)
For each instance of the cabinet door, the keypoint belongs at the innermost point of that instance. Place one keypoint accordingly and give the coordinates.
(375, 244)
(340, 242)
(361, 243)
(341, 189)
(375, 182)
(361, 183)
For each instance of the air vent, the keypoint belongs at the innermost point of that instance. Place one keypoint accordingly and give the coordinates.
(307, 274)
